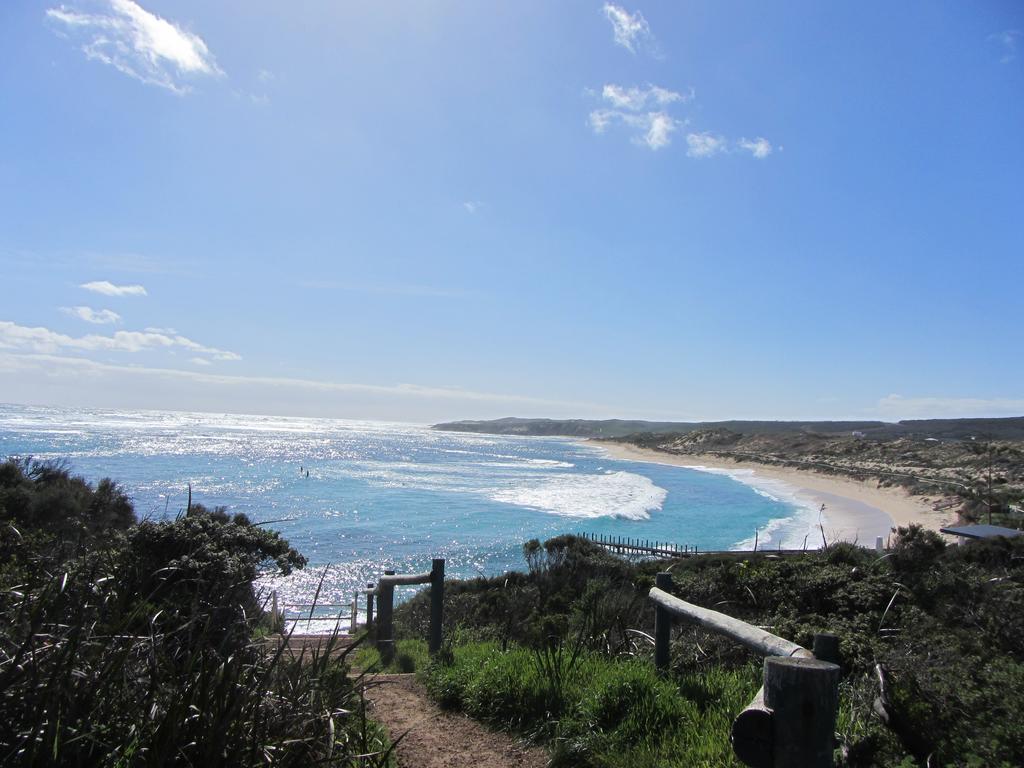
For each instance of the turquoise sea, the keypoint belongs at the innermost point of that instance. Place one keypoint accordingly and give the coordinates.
(381, 495)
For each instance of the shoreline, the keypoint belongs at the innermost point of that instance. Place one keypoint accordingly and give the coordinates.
(855, 510)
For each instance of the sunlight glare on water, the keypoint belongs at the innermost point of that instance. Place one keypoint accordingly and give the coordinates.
(381, 495)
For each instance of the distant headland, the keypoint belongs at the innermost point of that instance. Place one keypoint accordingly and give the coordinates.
(1008, 428)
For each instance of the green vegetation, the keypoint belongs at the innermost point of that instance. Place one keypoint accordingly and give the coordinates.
(125, 643)
(136, 644)
(595, 709)
(939, 627)
(410, 656)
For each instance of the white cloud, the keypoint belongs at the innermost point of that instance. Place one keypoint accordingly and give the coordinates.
(38, 339)
(600, 119)
(629, 30)
(651, 129)
(644, 110)
(636, 99)
(897, 407)
(109, 289)
(139, 44)
(659, 130)
(1007, 42)
(472, 206)
(90, 315)
(759, 147)
(199, 361)
(705, 144)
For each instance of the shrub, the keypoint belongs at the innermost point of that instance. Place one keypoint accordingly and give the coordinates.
(77, 691)
(124, 644)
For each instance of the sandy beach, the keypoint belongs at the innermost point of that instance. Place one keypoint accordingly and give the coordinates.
(855, 510)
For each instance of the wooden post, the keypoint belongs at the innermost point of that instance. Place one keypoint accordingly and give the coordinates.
(803, 695)
(385, 629)
(826, 647)
(436, 604)
(752, 734)
(662, 624)
(355, 613)
(369, 607)
(273, 609)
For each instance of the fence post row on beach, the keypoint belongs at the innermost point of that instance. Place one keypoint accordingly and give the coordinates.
(643, 547)
(384, 592)
(791, 721)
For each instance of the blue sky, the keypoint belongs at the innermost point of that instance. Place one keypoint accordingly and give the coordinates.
(434, 210)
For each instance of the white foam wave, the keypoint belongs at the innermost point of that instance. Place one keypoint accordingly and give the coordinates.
(793, 531)
(764, 493)
(614, 494)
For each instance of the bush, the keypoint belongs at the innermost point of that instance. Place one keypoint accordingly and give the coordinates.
(133, 644)
(945, 621)
(202, 564)
(63, 516)
(81, 686)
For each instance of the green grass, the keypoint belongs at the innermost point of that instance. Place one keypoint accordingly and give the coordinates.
(410, 656)
(596, 710)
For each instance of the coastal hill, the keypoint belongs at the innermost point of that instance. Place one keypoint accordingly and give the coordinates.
(1011, 428)
(972, 466)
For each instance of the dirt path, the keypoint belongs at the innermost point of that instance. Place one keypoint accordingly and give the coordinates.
(439, 739)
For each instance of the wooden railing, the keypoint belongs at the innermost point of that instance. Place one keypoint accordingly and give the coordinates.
(383, 592)
(790, 723)
(304, 612)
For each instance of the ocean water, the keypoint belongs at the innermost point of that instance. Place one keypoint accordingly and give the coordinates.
(381, 495)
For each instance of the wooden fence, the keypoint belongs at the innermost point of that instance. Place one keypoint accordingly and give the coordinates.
(303, 613)
(790, 723)
(383, 592)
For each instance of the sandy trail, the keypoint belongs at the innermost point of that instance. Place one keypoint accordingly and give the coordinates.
(435, 738)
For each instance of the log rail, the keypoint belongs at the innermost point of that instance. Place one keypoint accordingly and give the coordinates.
(790, 723)
(383, 593)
